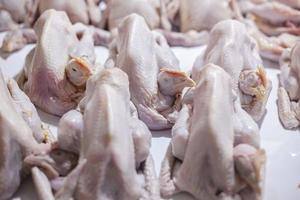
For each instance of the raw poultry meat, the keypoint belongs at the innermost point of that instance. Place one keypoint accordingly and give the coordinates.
(213, 11)
(104, 171)
(16, 138)
(288, 92)
(215, 145)
(29, 113)
(27, 11)
(272, 47)
(153, 71)
(84, 12)
(44, 185)
(17, 39)
(6, 21)
(155, 14)
(40, 179)
(191, 17)
(231, 48)
(56, 70)
(151, 10)
(274, 18)
(291, 3)
(105, 143)
(16, 11)
(70, 128)
(140, 133)
(273, 24)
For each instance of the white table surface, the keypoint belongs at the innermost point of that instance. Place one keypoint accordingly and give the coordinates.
(282, 146)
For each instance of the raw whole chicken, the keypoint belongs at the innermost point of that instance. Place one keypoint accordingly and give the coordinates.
(153, 71)
(17, 39)
(213, 11)
(26, 11)
(57, 69)
(272, 24)
(194, 16)
(151, 10)
(214, 152)
(288, 92)
(17, 140)
(291, 3)
(29, 113)
(231, 48)
(6, 21)
(15, 12)
(272, 47)
(115, 162)
(155, 14)
(84, 12)
(274, 18)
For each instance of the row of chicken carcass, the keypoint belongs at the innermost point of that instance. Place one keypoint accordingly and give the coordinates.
(274, 24)
(103, 145)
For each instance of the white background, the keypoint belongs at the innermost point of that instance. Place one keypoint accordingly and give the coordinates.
(282, 146)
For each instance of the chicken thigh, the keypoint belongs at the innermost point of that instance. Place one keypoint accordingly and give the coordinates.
(153, 71)
(56, 71)
(231, 48)
(69, 131)
(202, 156)
(288, 92)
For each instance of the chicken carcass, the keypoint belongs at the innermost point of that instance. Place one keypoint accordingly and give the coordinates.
(274, 18)
(270, 47)
(69, 131)
(211, 155)
(117, 177)
(153, 71)
(211, 13)
(151, 10)
(231, 48)
(292, 3)
(17, 39)
(16, 12)
(29, 113)
(16, 138)
(84, 12)
(288, 92)
(195, 18)
(6, 21)
(104, 171)
(56, 70)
